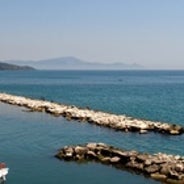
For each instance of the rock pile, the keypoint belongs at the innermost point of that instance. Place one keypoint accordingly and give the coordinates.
(117, 122)
(162, 167)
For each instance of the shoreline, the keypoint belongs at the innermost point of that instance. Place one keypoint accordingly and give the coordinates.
(71, 112)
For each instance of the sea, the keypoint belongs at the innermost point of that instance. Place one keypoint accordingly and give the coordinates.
(29, 140)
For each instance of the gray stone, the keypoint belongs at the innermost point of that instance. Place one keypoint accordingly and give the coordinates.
(152, 168)
(115, 159)
(174, 132)
(148, 162)
(105, 159)
(91, 154)
(173, 181)
(179, 167)
(142, 157)
(165, 168)
(173, 174)
(121, 153)
(158, 176)
(91, 146)
(80, 150)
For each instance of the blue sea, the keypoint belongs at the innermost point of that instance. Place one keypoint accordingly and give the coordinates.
(29, 141)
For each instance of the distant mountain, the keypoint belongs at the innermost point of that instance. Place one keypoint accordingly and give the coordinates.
(72, 63)
(7, 66)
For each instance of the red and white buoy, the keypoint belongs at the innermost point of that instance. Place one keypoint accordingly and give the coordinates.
(3, 171)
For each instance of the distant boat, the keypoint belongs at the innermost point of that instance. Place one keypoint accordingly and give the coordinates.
(3, 171)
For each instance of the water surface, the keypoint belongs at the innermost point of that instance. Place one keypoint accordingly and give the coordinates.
(30, 140)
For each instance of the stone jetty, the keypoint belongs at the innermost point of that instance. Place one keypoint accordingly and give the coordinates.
(162, 167)
(71, 112)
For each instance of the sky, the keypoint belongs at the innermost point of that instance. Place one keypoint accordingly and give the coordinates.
(147, 32)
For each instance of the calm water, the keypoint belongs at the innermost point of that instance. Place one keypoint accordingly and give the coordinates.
(29, 140)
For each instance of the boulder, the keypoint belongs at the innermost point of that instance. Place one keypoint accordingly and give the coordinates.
(80, 150)
(105, 159)
(173, 181)
(91, 154)
(91, 146)
(115, 159)
(142, 157)
(173, 174)
(152, 169)
(174, 132)
(158, 176)
(179, 167)
(147, 162)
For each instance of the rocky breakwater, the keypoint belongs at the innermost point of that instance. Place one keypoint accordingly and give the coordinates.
(117, 122)
(162, 167)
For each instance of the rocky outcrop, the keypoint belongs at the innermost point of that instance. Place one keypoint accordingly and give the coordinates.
(117, 122)
(162, 167)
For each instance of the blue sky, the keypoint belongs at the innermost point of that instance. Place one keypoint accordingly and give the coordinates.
(148, 32)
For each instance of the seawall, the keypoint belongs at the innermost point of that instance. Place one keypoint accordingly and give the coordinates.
(71, 112)
(162, 167)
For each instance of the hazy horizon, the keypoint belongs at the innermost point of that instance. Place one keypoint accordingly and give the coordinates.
(149, 33)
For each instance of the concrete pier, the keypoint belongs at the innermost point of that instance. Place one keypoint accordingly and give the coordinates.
(71, 112)
(162, 167)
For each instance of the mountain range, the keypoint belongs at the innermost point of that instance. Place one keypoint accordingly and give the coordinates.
(73, 63)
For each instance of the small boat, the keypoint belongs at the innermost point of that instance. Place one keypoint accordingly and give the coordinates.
(3, 171)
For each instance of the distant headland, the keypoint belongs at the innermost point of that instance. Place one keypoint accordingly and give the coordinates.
(7, 66)
(73, 63)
